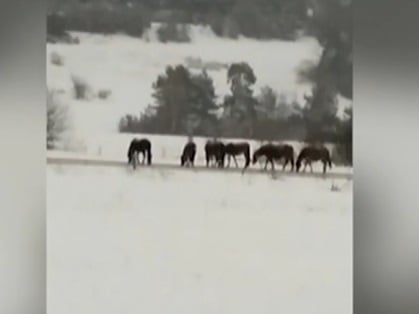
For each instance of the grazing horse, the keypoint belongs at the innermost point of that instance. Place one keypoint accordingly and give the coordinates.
(215, 153)
(188, 154)
(312, 153)
(273, 152)
(234, 149)
(137, 146)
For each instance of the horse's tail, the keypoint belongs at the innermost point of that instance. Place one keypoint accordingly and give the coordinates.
(300, 157)
(328, 158)
(149, 156)
(247, 156)
(130, 151)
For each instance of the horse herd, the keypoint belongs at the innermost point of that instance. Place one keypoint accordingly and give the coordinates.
(216, 153)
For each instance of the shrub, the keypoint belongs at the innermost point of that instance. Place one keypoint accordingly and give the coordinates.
(342, 154)
(172, 32)
(80, 86)
(56, 119)
(104, 93)
(129, 124)
(56, 59)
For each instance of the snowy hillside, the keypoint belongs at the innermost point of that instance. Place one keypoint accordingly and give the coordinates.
(128, 67)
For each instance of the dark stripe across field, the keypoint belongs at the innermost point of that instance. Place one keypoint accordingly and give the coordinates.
(198, 168)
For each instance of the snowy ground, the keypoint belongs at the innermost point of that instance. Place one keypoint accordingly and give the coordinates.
(181, 242)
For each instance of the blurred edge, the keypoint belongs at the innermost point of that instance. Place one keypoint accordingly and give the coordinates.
(22, 170)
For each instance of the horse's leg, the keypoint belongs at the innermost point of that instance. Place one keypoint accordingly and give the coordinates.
(266, 164)
(235, 161)
(324, 165)
(285, 164)
(228, 160)
(305, 165)
(311, 167)
(134, 160)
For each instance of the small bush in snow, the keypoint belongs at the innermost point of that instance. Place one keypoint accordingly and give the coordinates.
(104, 93)
(334, 187)
(172, 32)
(56, 59)
(81, 88)
(339, 155)
(56, 119)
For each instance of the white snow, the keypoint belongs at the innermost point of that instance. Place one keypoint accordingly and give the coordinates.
(167, 241)
(173, 241)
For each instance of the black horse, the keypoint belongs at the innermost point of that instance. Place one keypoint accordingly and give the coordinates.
(313, 153)
(235, 149)
(273, 152)
(137, 146)
(215, 153)
(188, 154)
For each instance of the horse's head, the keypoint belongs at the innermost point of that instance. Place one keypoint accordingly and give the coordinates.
(220, 159)
(255, 157)
(182, 160)
(298, 165)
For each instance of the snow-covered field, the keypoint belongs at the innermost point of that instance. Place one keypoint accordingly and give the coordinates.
(169, 241)
(173, 241)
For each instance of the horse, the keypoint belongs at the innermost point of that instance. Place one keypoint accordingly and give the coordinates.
(215, 152)
(313, 153)
(188, 154)
(275, 152)
(234, 149)
(137, 146)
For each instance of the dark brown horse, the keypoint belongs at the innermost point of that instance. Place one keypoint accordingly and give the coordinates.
(232, 150)
(215, 153)
(188, 155)
(273, 152)
(136, 147)
(314, 153)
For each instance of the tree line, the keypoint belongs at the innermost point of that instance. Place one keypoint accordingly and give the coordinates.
(229, 18)
(330, 21)
(185, 103)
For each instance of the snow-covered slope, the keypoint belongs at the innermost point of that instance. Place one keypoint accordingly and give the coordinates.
(128, 67)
